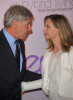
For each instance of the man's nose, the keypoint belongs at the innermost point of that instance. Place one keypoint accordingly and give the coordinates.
(29, 28)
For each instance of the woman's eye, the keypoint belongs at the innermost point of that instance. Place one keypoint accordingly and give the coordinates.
(46, 26)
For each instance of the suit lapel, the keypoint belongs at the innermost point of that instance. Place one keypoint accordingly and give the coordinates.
(8, 50)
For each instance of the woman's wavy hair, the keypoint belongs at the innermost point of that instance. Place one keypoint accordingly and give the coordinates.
(65, 32)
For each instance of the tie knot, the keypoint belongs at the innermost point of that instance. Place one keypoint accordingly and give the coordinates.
(17, 43)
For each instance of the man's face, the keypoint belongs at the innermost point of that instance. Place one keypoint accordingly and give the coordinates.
(23, 28)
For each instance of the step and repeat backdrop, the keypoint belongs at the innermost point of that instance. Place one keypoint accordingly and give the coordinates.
(35, 42)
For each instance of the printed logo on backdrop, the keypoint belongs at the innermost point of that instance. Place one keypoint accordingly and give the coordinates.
(48, 5)
(34, 59)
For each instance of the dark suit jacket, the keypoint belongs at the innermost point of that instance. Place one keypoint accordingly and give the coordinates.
(10, 75)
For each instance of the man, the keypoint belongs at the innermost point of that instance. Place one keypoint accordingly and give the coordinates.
(17, 23)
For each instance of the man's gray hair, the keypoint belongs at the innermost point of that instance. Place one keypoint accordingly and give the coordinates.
(16, 12)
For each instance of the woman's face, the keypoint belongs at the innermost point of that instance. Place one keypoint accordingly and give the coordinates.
(50, 31)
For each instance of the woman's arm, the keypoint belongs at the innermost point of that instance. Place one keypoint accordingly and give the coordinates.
(26, 86)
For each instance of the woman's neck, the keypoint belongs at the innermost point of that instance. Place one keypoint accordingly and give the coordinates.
(57, 47)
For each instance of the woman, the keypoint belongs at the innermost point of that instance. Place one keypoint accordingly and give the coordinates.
(57, 64)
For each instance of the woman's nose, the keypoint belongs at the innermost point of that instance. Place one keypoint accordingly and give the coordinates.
(44, 29)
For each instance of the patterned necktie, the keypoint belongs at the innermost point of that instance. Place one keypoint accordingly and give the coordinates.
(17, 53)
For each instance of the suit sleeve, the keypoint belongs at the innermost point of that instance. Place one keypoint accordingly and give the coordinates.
(30, 76)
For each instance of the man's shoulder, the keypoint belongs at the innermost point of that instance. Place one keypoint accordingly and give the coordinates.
(1, 34)
(1, 31)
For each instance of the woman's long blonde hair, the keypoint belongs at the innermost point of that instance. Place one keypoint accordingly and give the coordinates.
(65, 32)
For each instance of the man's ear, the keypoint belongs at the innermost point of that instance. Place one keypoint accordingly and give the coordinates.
(15, 23)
